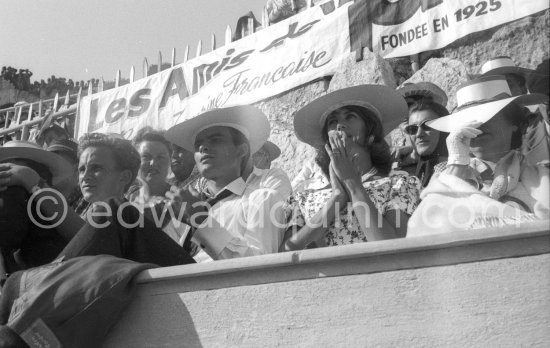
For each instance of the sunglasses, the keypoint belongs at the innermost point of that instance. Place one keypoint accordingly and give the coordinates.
(412, 129)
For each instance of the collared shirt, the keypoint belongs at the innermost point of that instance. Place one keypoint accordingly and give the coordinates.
(250, 221)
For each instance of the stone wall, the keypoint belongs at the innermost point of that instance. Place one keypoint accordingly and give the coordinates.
(525, 40)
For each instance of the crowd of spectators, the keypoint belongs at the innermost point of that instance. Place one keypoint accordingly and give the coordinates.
(205, 189)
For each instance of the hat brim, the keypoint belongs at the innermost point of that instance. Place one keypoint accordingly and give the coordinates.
(272, 150)
(57, 165)
(482, 112)
(390, 107)
(504, 70)
(245, 117)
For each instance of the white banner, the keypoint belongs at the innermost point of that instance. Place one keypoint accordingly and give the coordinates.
(438, 26)
(256, 67)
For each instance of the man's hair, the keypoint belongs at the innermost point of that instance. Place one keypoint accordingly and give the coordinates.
(126, 156)
(150, 134)
(429, 105)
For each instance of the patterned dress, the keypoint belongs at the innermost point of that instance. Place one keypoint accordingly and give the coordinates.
(395, 192)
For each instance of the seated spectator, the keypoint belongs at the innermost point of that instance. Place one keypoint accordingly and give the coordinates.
(245, 216)
(497, 186)
(352, 166)
(23, 242)
(155, 152)
(536, 144)
(401, 145)
(429, 144)
(183, 167)
(265, 155)
(149, 196)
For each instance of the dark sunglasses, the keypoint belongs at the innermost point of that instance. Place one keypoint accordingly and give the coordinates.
(413, 128)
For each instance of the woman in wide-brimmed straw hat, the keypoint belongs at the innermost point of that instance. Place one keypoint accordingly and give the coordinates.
(488, 124)
(352, 165)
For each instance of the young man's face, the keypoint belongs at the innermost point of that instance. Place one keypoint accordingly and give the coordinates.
(216, 155)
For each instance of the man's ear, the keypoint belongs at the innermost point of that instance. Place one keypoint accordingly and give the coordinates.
(244, 150)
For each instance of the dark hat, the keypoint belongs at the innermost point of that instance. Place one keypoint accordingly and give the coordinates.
(64, 146)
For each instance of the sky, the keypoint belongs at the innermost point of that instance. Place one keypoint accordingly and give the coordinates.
(89, 39)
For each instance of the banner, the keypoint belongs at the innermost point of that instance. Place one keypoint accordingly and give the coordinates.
(290, 53)
(253, 68)
(434, 24)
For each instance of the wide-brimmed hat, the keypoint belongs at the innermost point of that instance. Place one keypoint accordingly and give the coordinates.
(272, 150)
(423, 89)
(503, 65)
(20, 149)
(388, 105)
(248, 120)
(479, 100)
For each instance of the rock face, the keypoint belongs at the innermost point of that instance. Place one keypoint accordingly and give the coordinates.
(446, 73)
(525, 41)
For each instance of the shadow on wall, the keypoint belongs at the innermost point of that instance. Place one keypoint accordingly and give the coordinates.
(174, 328)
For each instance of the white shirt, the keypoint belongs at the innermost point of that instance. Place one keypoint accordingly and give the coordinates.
(249, 222)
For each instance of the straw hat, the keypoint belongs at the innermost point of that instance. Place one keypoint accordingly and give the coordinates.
(388, 105)
(479, 100)
(503, 65)
(248, 120)
(424, 89)
(19, 149)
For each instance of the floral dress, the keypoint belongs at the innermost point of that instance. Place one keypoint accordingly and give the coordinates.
(395, 192)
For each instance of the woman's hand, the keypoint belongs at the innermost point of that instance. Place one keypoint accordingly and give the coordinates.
(341, 156)
(17, 175)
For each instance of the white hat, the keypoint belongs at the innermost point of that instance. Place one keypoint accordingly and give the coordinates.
(424, 89)
(20, 149)
(388, 105)
(503, 65)
(479, 100)
(248, 120)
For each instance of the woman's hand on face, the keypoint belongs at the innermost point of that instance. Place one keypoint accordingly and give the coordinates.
(17, 175)
(342, 163)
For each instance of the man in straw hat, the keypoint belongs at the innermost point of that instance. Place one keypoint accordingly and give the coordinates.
(23, 162)
(489, 124)
(536, 144)
(245, 215)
